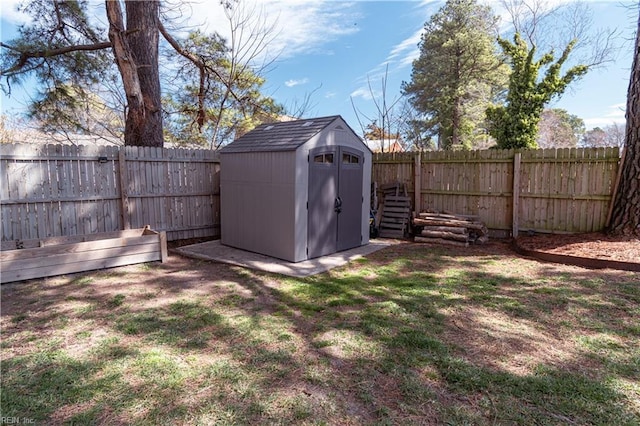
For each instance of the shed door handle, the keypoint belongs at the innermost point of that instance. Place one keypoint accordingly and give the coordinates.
(337, 205)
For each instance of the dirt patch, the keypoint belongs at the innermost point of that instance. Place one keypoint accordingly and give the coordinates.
(594, 245)
(188, 242)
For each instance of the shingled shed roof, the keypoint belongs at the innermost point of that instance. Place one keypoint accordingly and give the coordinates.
(282, 136)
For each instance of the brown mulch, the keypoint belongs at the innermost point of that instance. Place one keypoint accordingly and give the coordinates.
(594, 245)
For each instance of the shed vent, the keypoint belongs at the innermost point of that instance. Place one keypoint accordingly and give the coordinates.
(268, 128)
(307, 124)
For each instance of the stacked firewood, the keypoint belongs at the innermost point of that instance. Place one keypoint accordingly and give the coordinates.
(448, 228)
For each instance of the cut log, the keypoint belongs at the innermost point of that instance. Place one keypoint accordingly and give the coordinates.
(451, 227)
(482, 239)
(454, 229)
(420, 221)
(445, 216)
(445, 235)
(440, 241)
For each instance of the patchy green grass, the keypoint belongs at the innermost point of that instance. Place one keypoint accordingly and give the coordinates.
(409, 335)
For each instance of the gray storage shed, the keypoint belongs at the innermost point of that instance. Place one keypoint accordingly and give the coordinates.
(296, 190)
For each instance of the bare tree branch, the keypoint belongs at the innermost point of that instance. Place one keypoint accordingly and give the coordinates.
(300, 109)
(25, 56)
(548, 27)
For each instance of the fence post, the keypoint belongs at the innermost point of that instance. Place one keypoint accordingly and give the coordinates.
(616, 184)
(124, 185)
(516, 194)
(417, 182)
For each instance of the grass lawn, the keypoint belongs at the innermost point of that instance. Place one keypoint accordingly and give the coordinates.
(413, 334)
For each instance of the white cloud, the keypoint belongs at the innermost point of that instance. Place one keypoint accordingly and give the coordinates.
(613, 114)
(362, 92)
(617, 110)
(292, 83)
(298, 26)
(401, 55)
(9, 12)
(407, 50)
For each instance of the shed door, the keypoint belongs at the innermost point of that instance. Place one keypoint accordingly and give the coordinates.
(335, 200)
(350, 194)
(322, 224)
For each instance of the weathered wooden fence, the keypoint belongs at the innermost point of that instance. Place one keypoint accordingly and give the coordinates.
(61, 190)
(551, 190)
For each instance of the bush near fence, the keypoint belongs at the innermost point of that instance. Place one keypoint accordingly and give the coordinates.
(61, 190)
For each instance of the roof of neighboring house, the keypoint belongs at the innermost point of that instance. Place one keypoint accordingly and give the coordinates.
(281, 136)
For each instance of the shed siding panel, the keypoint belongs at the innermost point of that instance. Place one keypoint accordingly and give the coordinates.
(258, 211)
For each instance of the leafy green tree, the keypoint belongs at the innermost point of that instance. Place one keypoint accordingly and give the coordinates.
(68, 110)
(63, 49)
(212, 108)
(515, 124)
(595, 137)
(457, 73)
(559, 129)
(414, 134)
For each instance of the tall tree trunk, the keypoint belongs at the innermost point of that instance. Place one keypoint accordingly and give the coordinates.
(455, 122)
(626, 205)
(143, 34)
(136, 51)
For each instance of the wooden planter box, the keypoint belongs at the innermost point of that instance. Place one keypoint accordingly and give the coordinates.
(23, 260)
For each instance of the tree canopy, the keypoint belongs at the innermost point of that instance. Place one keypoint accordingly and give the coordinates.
(62, 47)
(515, 124)
(457, 73)
(611, 135)
(559, 129)
(214, 107)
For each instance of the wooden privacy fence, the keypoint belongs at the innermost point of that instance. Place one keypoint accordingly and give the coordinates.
(61, 190)
(550, 190)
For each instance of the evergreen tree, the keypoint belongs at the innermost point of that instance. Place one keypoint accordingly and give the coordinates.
(515, 124)
(213, 108)
(63, 48)
(457, 70)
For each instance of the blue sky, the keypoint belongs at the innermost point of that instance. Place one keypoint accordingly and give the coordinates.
(331, 50)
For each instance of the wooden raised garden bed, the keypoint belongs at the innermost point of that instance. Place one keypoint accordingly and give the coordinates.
(27, 259)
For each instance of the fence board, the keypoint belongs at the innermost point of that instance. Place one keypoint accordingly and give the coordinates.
(55, 190)
(61, 190)
(560, 190)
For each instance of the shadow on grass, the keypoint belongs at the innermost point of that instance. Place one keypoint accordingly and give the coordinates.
(402, 311)
(398, 338)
